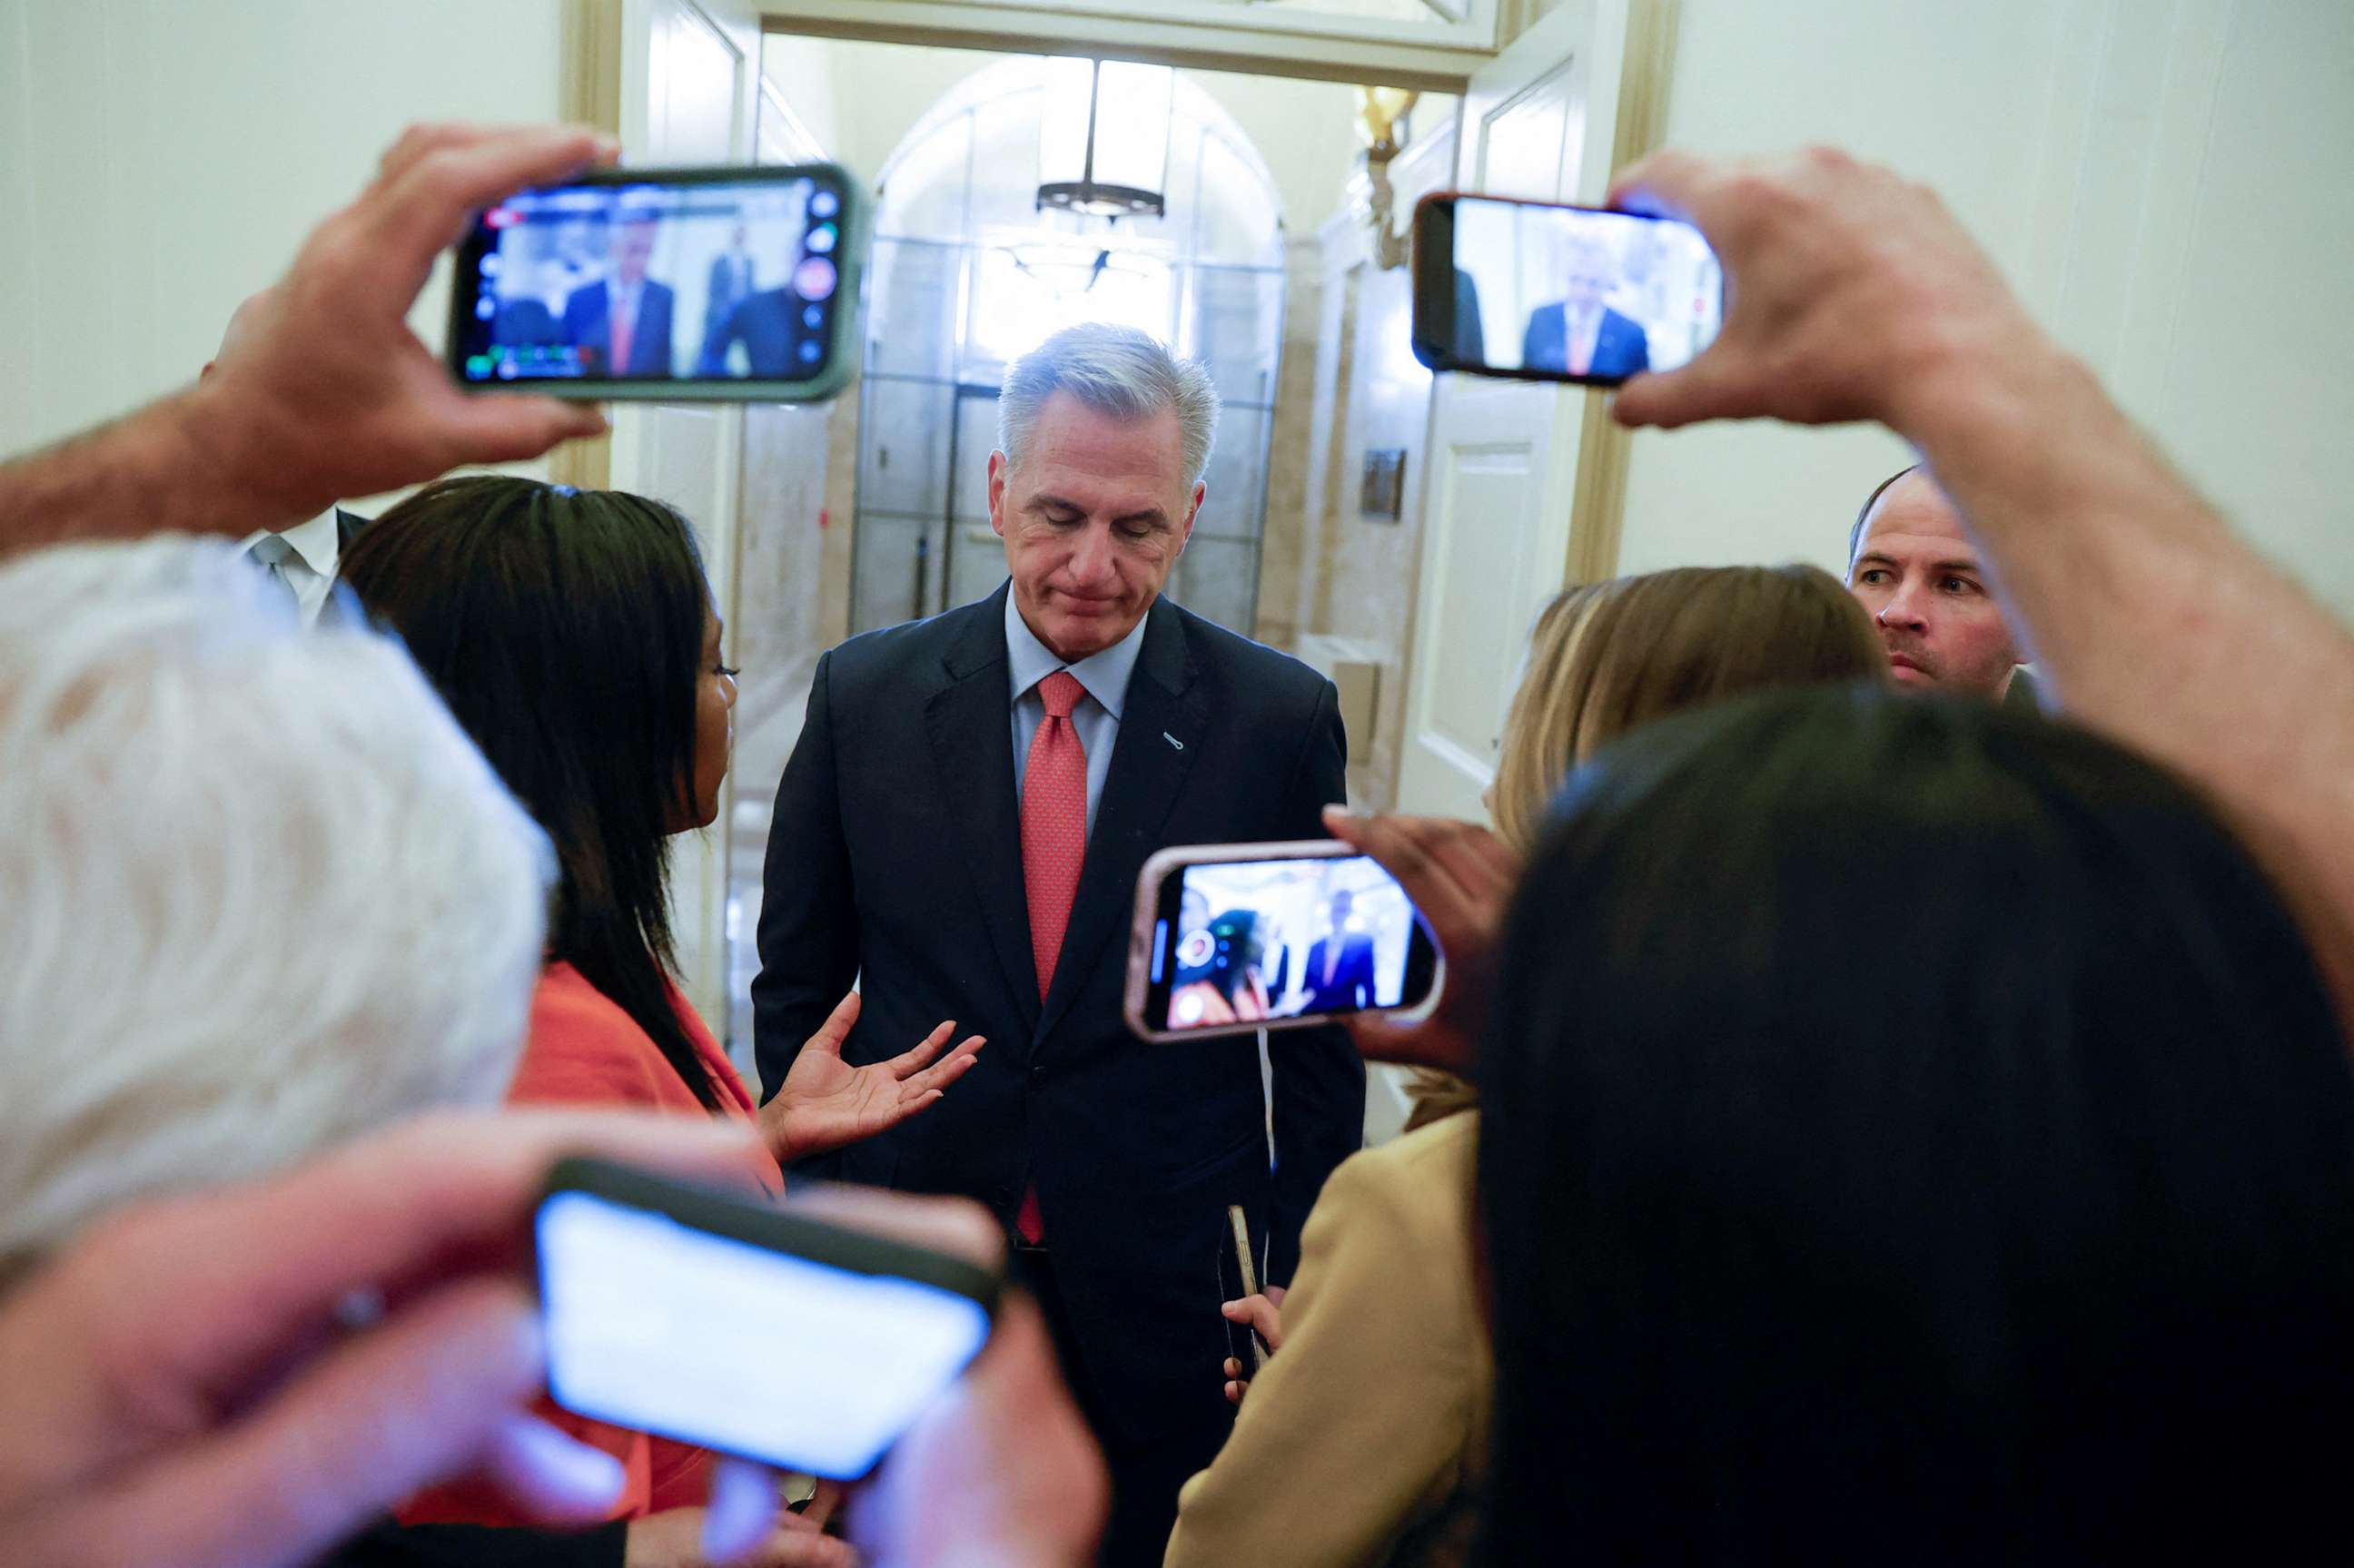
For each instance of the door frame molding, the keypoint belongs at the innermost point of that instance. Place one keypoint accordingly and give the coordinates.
(1597, 516)
(588, 92)
(1208, 35)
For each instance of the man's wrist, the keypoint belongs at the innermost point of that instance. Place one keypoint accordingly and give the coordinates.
(219, 438)
(1965, 374)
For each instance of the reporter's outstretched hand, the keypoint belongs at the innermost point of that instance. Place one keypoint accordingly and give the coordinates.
(1847, 287)
(825, 1103)
(179, 1388)
(1460, 877)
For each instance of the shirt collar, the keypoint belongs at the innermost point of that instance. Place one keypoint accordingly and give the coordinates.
(316, 543)
(1104, 674)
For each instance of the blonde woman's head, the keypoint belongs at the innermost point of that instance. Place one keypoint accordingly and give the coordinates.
(1612, 655)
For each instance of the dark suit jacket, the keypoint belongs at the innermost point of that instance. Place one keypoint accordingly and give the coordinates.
(896, 855)
(1352, 981)
(1620, 350)
(390, 1545)
(588, 323)
(726, 287)
(769, 326)
(342, 607)
(525, 324)
(1470, 332)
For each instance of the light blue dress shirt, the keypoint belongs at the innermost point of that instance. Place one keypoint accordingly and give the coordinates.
(1096, 716)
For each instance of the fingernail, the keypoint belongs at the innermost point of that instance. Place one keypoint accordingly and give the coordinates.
(742, 1505)
(584, 1476)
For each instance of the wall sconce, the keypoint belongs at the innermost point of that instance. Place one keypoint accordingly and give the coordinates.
(1381, 115)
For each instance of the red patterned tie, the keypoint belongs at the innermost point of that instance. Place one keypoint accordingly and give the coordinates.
(1054, 847)
(624, 328)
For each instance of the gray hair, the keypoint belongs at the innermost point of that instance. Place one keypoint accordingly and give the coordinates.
(262, 893)
(1117, 371)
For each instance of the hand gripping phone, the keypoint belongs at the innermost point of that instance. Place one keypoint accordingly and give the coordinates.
(672, 284)
(1230, 939)
(1545, 291)
(743, 1328)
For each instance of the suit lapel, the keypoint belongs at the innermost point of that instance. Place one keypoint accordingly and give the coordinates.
(970, 725)
(1161, 731)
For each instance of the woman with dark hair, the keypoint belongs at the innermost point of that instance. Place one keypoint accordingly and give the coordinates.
(573, 636)
(1912, 1133)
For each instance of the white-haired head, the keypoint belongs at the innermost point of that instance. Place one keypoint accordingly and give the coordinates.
(258, 891)
(1116, 371)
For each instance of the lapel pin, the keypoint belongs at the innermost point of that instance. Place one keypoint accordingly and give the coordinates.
(1173, 740)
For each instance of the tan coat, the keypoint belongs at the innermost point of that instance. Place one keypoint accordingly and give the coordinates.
(1363, 1440)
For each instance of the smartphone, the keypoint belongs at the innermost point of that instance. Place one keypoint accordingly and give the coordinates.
(1234, 938)
(1549, 292)
(673, 285)
(743, 1328)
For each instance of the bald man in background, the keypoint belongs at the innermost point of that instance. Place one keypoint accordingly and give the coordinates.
(1913, 570)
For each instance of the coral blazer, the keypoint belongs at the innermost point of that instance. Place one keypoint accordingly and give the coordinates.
(583, 1050)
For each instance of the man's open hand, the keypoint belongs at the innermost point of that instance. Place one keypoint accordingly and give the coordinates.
(825, 1103)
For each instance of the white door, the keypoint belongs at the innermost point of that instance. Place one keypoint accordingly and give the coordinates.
(1538, 123)
(690, 94)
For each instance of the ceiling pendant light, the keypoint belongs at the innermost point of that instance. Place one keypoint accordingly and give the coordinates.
(1103, 139)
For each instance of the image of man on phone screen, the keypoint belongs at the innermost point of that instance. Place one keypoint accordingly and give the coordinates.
(1341, 965)
(621, 323)
(1578, 334)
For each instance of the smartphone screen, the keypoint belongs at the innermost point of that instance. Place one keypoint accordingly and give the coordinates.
(1553, 292)
(1258, 941)
(711, 283)
(745, 1329)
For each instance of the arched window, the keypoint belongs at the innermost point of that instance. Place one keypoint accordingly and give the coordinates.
(969, 271)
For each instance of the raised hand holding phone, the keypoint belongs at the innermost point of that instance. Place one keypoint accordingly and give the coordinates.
(1547, 292)
(665, 1304)
(731, 283)
(1233, 937)
(1461, 878)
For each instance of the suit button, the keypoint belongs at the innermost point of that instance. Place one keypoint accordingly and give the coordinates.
(1037, 1076)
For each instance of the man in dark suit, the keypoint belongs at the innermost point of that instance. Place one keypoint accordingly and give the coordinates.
(1341, 965)
(1470, 332)
(729, 284)
(961, 826)
(1578, 334)
(525, 322)
(771, 327)
(623, 320)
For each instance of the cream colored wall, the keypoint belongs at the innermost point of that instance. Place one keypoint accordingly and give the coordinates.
(161, 160)
(802, 71)
(2169, 183)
